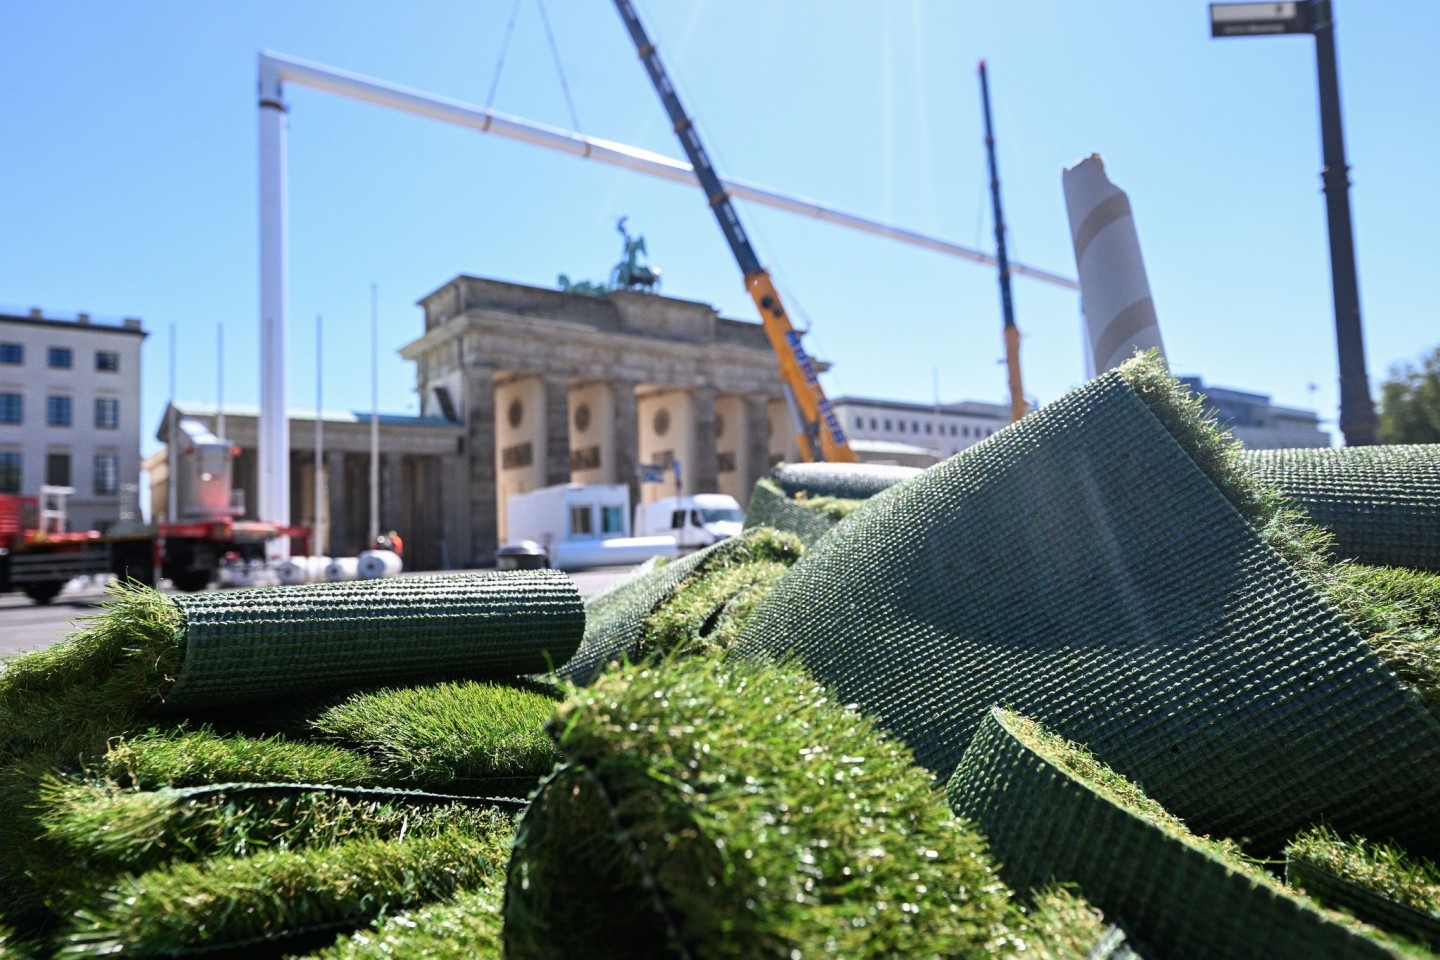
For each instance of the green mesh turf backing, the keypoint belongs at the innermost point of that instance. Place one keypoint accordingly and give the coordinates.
(1367, 904)
(769, 507)
(1044, 825)
(613, 620)
(848, 481)
(1079, 568)
(258, 644)
(1381, 503)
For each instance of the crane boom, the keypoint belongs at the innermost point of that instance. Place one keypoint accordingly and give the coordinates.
(1012, 333)
(820, 435)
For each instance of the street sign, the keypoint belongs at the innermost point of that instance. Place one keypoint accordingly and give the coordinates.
(1261, 19)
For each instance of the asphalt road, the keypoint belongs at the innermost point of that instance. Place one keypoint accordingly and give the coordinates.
(25, 626)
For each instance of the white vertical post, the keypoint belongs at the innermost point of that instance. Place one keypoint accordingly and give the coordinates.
(274, 440)
(220, 381)
(316, 548)
(374, 415)
(172, 445)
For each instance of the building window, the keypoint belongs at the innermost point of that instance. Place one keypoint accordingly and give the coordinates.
(107, 474)
(61, 358)
(9, 471)
(107, 413)
(57, 411)
(12, 353)
(872, 423)
(887, 424)
(929, 429)
(57, 469)
(12, 407)
(859, 423)
(901, 425)
(966, 431)
(580, 522)
(612, 519)
(107, 361)
(952, 429)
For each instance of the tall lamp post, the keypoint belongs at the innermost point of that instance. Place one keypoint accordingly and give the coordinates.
(1315, 17)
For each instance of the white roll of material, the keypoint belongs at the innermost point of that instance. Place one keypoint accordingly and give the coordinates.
(302, 570)
(375, 564)
(342, 568)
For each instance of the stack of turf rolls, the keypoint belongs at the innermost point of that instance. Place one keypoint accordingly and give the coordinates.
(807, 499)
(260, 771)
(746, 752)
(1381, 503)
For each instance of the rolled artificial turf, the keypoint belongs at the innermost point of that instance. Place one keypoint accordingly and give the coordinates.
(232, 903)
(1382, 503)
(843, 481)
(808, 499)
(1100, 565)
(1375, 882)
(616, 622)
(248, 645)
(1052, 814)
(713, 812)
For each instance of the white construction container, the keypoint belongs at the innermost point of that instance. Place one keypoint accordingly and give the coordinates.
(581, 525)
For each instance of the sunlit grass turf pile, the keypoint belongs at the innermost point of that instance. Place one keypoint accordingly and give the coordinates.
(1382, 503)
(807, 499)
(1106, 566)
(749, 763)
(138, 820)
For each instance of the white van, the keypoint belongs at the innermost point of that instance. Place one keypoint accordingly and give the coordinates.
(694, 521)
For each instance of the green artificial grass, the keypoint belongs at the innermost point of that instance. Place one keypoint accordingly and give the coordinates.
(440, 734)
(708, 810)
(616, 624)
(1062, 925)
(1053, 813)
(233, 903)
(1398, 611)
(467, 927)
(1106, 566)
(1223, 459)
(187, 758)
(706, 611)
(96, 831)
(1379, 883)
(1381, 503)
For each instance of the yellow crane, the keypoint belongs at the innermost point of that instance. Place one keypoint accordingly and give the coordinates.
(820, 435)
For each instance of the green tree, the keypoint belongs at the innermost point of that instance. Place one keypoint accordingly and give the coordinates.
(1410, 403)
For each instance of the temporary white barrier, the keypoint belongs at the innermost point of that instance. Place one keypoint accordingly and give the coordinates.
(342, 568)
(375, 564)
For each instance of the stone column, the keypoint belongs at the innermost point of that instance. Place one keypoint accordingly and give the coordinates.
(702, 475)
(479, 408)
(557, 430)
(336, 508)
(755, 457)
(392, 494)
(627, 438)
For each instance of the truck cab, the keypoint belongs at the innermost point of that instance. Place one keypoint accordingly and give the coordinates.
(694, 521)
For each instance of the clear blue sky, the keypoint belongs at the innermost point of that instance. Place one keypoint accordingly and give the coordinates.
(128, 178)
